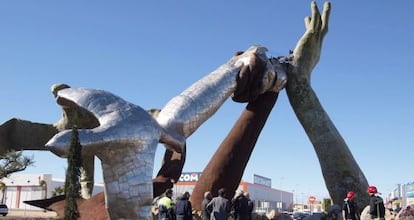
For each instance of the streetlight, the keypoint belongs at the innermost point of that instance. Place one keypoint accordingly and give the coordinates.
(281, 195)
(303, 201)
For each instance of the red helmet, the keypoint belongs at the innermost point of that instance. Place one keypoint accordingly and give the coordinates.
(350, 195)
(372, 189)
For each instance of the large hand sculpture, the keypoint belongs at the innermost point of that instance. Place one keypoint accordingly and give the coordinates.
(127, 136)
(252, 80)
(340, 170)
(187, 111)
(232, 156)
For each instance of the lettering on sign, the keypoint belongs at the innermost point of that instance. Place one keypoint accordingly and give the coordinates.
(262, 180)
(190, 177)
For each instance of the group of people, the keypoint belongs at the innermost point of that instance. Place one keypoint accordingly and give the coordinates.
(217, 208)
(350, 210)
(220, 208)
(241, 207)
(167, 209)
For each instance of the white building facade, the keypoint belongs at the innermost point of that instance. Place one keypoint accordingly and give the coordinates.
(401, 196)
(25, 187)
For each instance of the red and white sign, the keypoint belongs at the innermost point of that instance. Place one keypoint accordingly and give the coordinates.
(312, 199)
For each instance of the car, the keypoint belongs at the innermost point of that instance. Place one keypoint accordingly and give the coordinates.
(300, 215)
(4, 210)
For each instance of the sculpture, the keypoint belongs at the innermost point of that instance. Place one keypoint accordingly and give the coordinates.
(232, 155)
(173, 162)
(127, 136)
(339, 168)
(174, 124)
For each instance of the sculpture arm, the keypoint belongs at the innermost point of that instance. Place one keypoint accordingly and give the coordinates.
(339, 168)
(187, 111)
(17, 134)
(249, 82)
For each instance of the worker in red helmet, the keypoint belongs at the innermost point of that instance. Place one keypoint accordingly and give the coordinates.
(349, 208)
(376, 204)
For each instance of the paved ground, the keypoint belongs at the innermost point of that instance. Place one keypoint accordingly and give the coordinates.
(25, 214)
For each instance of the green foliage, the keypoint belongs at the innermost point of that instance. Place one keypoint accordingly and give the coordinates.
(58, 191)
(326, 203)
(2, 189)
(72, 181)
(13, 161)
(42, 183)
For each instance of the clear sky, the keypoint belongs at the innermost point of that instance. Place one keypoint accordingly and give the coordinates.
(147, 52)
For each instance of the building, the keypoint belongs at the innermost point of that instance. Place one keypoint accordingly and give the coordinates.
(265, 198)
(25, 187)
(401, 196)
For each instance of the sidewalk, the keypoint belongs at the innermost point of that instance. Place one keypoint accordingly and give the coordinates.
(29, 214)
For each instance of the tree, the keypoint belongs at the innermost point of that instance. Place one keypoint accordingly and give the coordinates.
(58, 191)
(13, 161)
(43, 184)
(326, 203)
(2, 189)
(72, 181)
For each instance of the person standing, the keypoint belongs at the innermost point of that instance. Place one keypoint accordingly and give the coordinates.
(219, 206)
(376, 204)
(350, 208)
(183, 208)
(250, 204)
(240, 206)
(166, 206)
(205, 213)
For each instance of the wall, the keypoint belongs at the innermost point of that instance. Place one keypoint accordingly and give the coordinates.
(25, 187)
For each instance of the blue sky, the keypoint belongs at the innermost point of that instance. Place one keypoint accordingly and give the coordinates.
(147, 52)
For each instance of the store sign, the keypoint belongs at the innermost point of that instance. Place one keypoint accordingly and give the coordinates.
(190, 177)
(260, 180)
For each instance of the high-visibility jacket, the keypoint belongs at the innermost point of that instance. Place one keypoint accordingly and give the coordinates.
(165, 201)
(165, 208)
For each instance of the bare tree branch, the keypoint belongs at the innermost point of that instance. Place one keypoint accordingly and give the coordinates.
(12, 162)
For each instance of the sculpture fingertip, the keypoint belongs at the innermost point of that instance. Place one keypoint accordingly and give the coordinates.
(327, 6)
